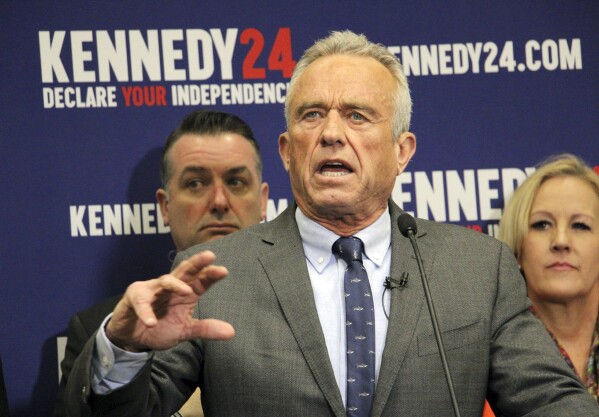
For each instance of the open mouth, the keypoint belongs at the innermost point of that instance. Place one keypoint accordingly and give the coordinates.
(334, 169)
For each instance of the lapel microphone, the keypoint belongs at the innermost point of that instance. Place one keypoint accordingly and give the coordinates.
(401, 283)
(407, 227)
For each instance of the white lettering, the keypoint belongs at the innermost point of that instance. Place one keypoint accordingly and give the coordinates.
(50, 57)
(131, 219)
(144, 55)
(550, 54)
(112, 56)
(148, 218)
(475, 51)
(112, 220)
(486, 194)
(71, 97)
(81, 56)
(429, 59)
(460, 58)
(228, 94)
(224, 50)
(445, 59)
(94, 220)
(201, 60)
(470, 195)
(461, 195)
(430, 196)
(77, 227)
(170, 55)
(570, 58)
(511, 179)
(411, 60)
(117, 219)
(532, 63)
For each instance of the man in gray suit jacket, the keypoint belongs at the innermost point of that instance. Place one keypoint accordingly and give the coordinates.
(348, 110)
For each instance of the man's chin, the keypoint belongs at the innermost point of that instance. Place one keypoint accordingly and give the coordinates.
(216, 236)
(333, 202)
(217, 233)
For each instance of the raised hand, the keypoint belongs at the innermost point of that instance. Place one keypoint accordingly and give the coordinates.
(157, 314)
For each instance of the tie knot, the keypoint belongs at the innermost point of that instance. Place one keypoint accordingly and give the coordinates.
(349, 249)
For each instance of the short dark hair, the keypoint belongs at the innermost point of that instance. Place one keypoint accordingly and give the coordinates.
(207, 122)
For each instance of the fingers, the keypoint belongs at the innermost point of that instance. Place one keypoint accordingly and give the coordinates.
(142, 295)
(194, 275)
(158, 313)
(211, 329)
(199, 272)
(193, 265)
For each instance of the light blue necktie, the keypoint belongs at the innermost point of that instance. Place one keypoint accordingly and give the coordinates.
(359, 316)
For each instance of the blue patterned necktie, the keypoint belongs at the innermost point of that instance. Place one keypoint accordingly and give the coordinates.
(359, 320)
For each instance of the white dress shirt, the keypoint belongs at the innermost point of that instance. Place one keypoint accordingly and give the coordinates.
(327, 277)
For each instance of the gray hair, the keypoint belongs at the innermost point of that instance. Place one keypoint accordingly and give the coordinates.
(350, 43)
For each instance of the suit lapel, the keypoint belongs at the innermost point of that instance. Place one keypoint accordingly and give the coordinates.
(406, 306)
(286, 269)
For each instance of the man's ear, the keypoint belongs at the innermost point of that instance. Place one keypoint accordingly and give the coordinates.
(405, 148)
(263, 199)
(162, 198)
(284, 149)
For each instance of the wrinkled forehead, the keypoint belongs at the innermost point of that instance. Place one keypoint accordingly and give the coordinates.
(337, 79)
(219, 152)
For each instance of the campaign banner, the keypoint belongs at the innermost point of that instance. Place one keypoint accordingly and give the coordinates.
(91, 90)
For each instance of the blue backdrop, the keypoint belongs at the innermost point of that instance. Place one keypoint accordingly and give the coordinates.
(90, 90)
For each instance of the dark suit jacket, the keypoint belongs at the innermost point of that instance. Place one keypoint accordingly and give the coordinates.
(81, 327)
(3, 398)
(278, 364)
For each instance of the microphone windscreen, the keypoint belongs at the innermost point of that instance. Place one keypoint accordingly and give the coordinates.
(405, 222)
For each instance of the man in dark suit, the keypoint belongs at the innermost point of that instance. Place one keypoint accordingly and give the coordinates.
(211, 174)
(290, 307)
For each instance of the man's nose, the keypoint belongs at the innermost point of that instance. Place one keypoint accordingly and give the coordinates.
(220, 200)
(333, 130)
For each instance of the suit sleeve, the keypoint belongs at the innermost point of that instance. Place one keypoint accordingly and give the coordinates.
(160, 388)
(77, 336)
(3, 398)
(526, 369)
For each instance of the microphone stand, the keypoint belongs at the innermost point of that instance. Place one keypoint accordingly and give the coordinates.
(410, 233)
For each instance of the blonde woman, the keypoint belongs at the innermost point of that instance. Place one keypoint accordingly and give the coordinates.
(552, 225)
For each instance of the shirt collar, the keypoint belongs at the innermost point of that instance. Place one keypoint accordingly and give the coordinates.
(318, 240)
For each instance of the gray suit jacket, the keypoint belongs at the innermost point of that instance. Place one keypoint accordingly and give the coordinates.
(278, 365)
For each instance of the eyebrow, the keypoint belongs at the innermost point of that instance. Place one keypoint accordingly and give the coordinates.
(316, 104)
(195, 169)
(550, 214)
(367, 109)
(344, 106)
(238, 170)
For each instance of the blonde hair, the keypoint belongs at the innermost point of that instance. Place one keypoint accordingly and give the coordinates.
(513, 226)
(352, 44)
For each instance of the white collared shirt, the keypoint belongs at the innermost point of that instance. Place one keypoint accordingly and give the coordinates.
(326, 277)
